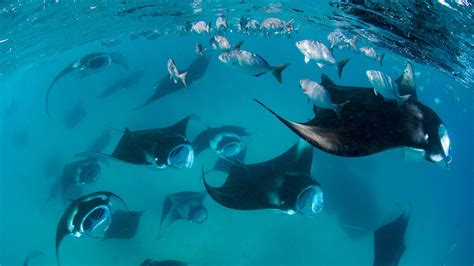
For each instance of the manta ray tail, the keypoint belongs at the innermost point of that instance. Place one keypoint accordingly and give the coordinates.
(277, 71)
(33, 254)
(65, 71)
(61, 232)
(284, 121)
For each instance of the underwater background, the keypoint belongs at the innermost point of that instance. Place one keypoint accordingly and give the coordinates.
(39, 38)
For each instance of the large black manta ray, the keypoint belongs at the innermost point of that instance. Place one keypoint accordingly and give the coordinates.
(369, 124)
(389, 241)
(86, 216)
(160, 148)
(282, 183)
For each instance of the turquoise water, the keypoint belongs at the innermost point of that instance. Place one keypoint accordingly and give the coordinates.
(364, 192)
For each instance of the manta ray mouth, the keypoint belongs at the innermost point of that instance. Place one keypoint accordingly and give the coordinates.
(181, 156)
(444, 150)
(198, 214)
(90, 173)
(310, 201)
(230, 149)
(444, 139)
(226, 144)
(99, 61)
(94, 219)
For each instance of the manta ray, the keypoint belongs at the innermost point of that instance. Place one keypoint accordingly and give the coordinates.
(283, 183)
(89, 63)
(166, 86)
(186, 205)
(369, 124)
(161, 148)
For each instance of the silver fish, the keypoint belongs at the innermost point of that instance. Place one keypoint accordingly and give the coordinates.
(319, 95)
(221, 23)
(338, 39)
(199, 49)
(370, 53)
(201, 26)
(276, 25)
(251, 63)
(221, 43)
(174, 74)
(319, 52)
(247, 25)
(384, 85)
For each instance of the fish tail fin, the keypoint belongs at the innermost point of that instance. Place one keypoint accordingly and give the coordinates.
(380, 58)
(340, 66)
(224, 22)
(289, 25)
(238, 45)
(353, 42)
(277, 71)
(182, 77)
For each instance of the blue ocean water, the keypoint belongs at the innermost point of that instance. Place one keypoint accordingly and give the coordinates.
(39, 39)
